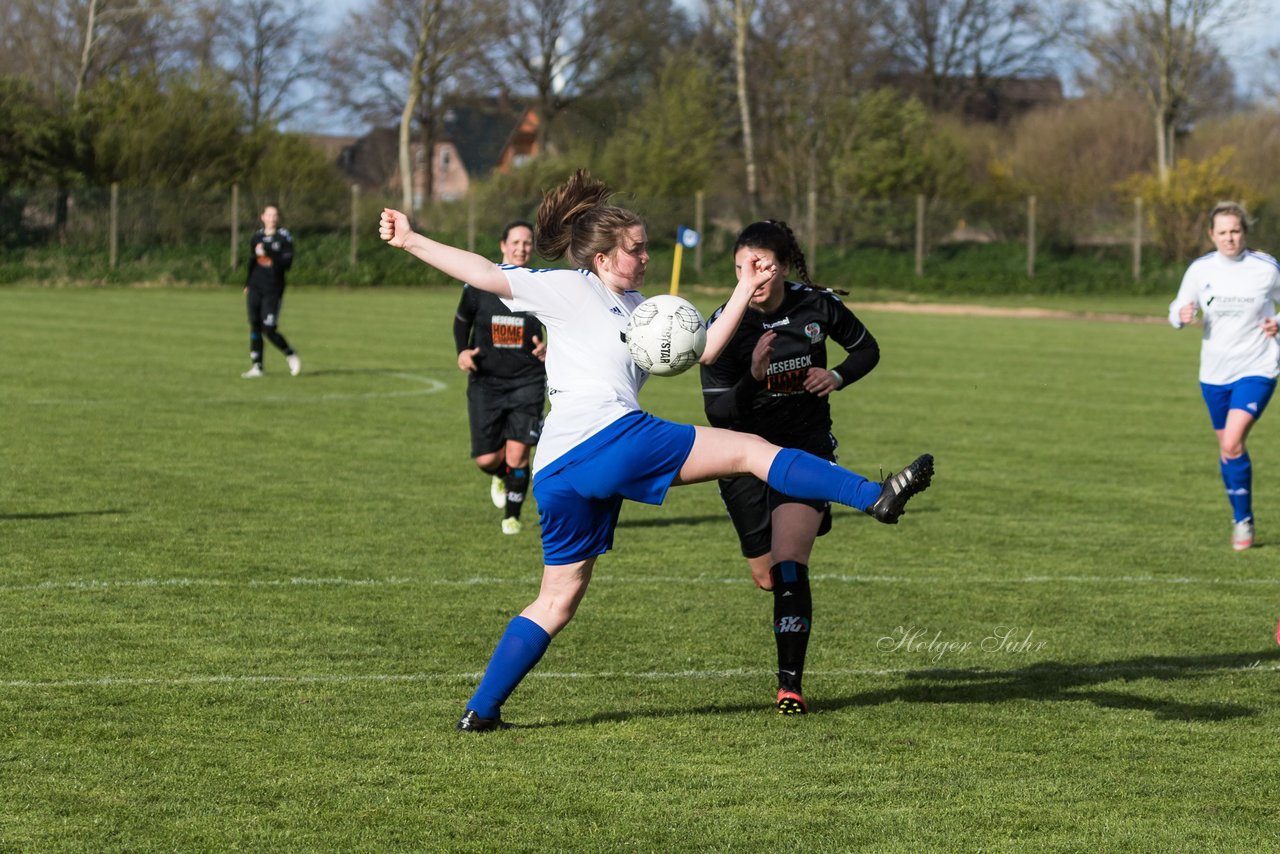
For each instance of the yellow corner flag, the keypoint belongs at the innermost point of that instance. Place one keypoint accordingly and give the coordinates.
(684, 237)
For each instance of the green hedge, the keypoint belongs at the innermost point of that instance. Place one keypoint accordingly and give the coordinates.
(324, 260)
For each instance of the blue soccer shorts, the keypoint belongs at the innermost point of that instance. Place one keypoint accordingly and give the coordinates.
(1248, 393)
(580, 493)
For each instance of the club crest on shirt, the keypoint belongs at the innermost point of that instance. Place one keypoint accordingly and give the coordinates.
(813, 332)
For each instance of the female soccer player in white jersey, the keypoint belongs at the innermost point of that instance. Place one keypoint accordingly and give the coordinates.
(1235, 289)
(597, 446)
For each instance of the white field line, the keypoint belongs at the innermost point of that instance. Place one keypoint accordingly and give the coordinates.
(429, 386)
(960, 675)
(606, 580)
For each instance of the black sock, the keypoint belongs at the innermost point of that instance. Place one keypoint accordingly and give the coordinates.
(792, 618)
(517, 482)
(274, 336)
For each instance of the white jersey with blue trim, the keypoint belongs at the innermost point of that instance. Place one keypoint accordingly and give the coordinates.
(591, 379)
(1235, 295)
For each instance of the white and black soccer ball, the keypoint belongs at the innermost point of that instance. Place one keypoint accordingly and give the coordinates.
(666, 335)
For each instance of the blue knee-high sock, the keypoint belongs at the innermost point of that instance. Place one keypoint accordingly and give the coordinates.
(802, 475)
(1237, 475)
(520, 648)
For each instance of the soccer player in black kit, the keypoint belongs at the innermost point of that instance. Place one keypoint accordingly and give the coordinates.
(772, 380)
(270, 259)
(502, 353)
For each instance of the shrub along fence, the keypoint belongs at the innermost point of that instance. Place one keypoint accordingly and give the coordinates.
(116, 234)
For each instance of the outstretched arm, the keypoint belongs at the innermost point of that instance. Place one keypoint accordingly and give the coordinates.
(475, 270)
(755, 275)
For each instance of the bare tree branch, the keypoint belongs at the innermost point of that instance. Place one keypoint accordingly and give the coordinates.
(1163, 51)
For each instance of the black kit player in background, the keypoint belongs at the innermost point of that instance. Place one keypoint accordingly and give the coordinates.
(502, 353)
(270, 258)
(773, 381)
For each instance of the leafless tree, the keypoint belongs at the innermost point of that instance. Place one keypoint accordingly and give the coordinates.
(813, 56)
(791, 61)
(398, 59)
(562, 51)
(736, 21)
(1270, 80)
(267, 50)
(64, 45)
(1163, 51)
(742, 12)
(949, 46)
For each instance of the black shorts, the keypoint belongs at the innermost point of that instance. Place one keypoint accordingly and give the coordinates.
(502, 414)
(751, 502)
(264, 307)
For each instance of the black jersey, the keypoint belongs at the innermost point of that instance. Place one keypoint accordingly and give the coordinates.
(779, 408)
(505, 339)
(278, 247)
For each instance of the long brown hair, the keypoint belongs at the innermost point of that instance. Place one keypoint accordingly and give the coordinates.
(575, 220)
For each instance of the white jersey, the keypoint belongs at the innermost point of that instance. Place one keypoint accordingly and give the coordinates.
(591, 380)
(1235, 295)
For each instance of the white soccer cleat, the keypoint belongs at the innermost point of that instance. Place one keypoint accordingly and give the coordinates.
(295, 364)
(253, 373)
(1242, 535)
(511, 525)
(498, 492)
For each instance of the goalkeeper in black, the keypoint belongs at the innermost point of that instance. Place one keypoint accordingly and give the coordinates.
(270, 258)
(773, 380)
(502, 352)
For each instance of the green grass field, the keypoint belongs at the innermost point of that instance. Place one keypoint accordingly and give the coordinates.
(246, 615)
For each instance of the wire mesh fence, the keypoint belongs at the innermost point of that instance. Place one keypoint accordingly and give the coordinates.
(111, 228)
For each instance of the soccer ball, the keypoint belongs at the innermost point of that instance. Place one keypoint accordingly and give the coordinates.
(666, 335)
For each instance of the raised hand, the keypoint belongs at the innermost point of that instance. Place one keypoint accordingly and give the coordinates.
(757, 272)
(394, 228)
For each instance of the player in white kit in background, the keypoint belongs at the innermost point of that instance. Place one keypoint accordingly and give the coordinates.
(1235, 290)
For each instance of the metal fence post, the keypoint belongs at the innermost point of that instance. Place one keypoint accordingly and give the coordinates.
(699, 199)
(920, 234)
(235, 224)
(1031, 237)
(355, 212)
(811, 225)
(471, 221)
(114, 241)
(1137, 239)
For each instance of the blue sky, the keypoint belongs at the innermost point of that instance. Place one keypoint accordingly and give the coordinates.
(1250, 38)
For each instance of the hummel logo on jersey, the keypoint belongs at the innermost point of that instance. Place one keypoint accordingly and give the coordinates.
(786, 321)
(616, 310)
